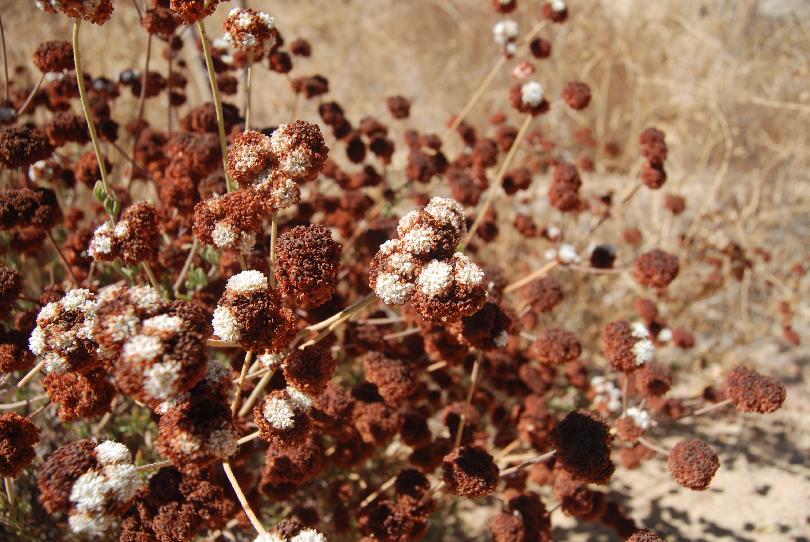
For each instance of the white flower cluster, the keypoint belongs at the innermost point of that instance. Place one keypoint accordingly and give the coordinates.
(304, 535)
(280, 411)
(114, 483)
(643, 349)
(640, 417)
(558, 5)
(399, 258)
(225, 323)
(61, 325)
(505, 32)
(149, 351)
(245, 22)
(532, 93)
(606, 393)
(566, 254)
(225, 235)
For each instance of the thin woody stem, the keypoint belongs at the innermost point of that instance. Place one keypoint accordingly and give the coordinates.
(153, 466)
(242, 375)
(247, 438)
(248, 87)
(482, 88)
(212, 76)
(153, 279)
(255, 393)
(195, 244)
(653, 446)
(254, 520)
(31, 374)
(141, 102)
(31, 95)
(273, 239)
(540, 273)
(24, 402)
(5, 59)
(476, 369)
(65, 263)
(528, 463)
(91, 125)
(493, 190)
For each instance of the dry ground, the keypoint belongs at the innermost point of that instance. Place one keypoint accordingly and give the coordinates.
(729, 81)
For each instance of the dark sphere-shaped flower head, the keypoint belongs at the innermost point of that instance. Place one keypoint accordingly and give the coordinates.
(693, 463)
(656, 269)
(307, 263)
(17, 439)
(555, 346)
(21, 146)
(583, 447)
(470, 472)
(753, 392)
(54, 56)
(577, 95)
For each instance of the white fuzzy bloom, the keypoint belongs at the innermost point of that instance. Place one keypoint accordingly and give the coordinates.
(245, 18)
(639, 330)
(640, 417)
(505, 31)
(553, 232)
(247, 282)
(159, 380)
(502, 339)
(391, 289)
(89, 491)
(279, 413)
(122, 326)
(299, 400)
(164, 325)
(123, 482)
(643, 351)
(390, 247)
(54, 363)
(225, 324)
(145, 297)
(606, 393)
(224, 235)
(532, 93)
(286, 195)
(435, 278)
(308, 535)
(110, 452)
(568, 254)
(558, 5)
(270, 360)
(222, 442)
(467, 272)
(36, 342)
(447, 211)
(121, 229)
(407, 222)
(665, 335)
(83, 522)
(419, 240)
(186, 443)
(401, 263)
(142, 348)
(280, 141)
(101, 243)
(297, 162)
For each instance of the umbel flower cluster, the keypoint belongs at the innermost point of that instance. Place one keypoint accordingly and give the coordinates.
(343, 327)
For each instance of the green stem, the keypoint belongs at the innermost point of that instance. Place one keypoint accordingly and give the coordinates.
(86, 108)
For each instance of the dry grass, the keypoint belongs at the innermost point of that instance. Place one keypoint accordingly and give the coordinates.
(727, 80)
